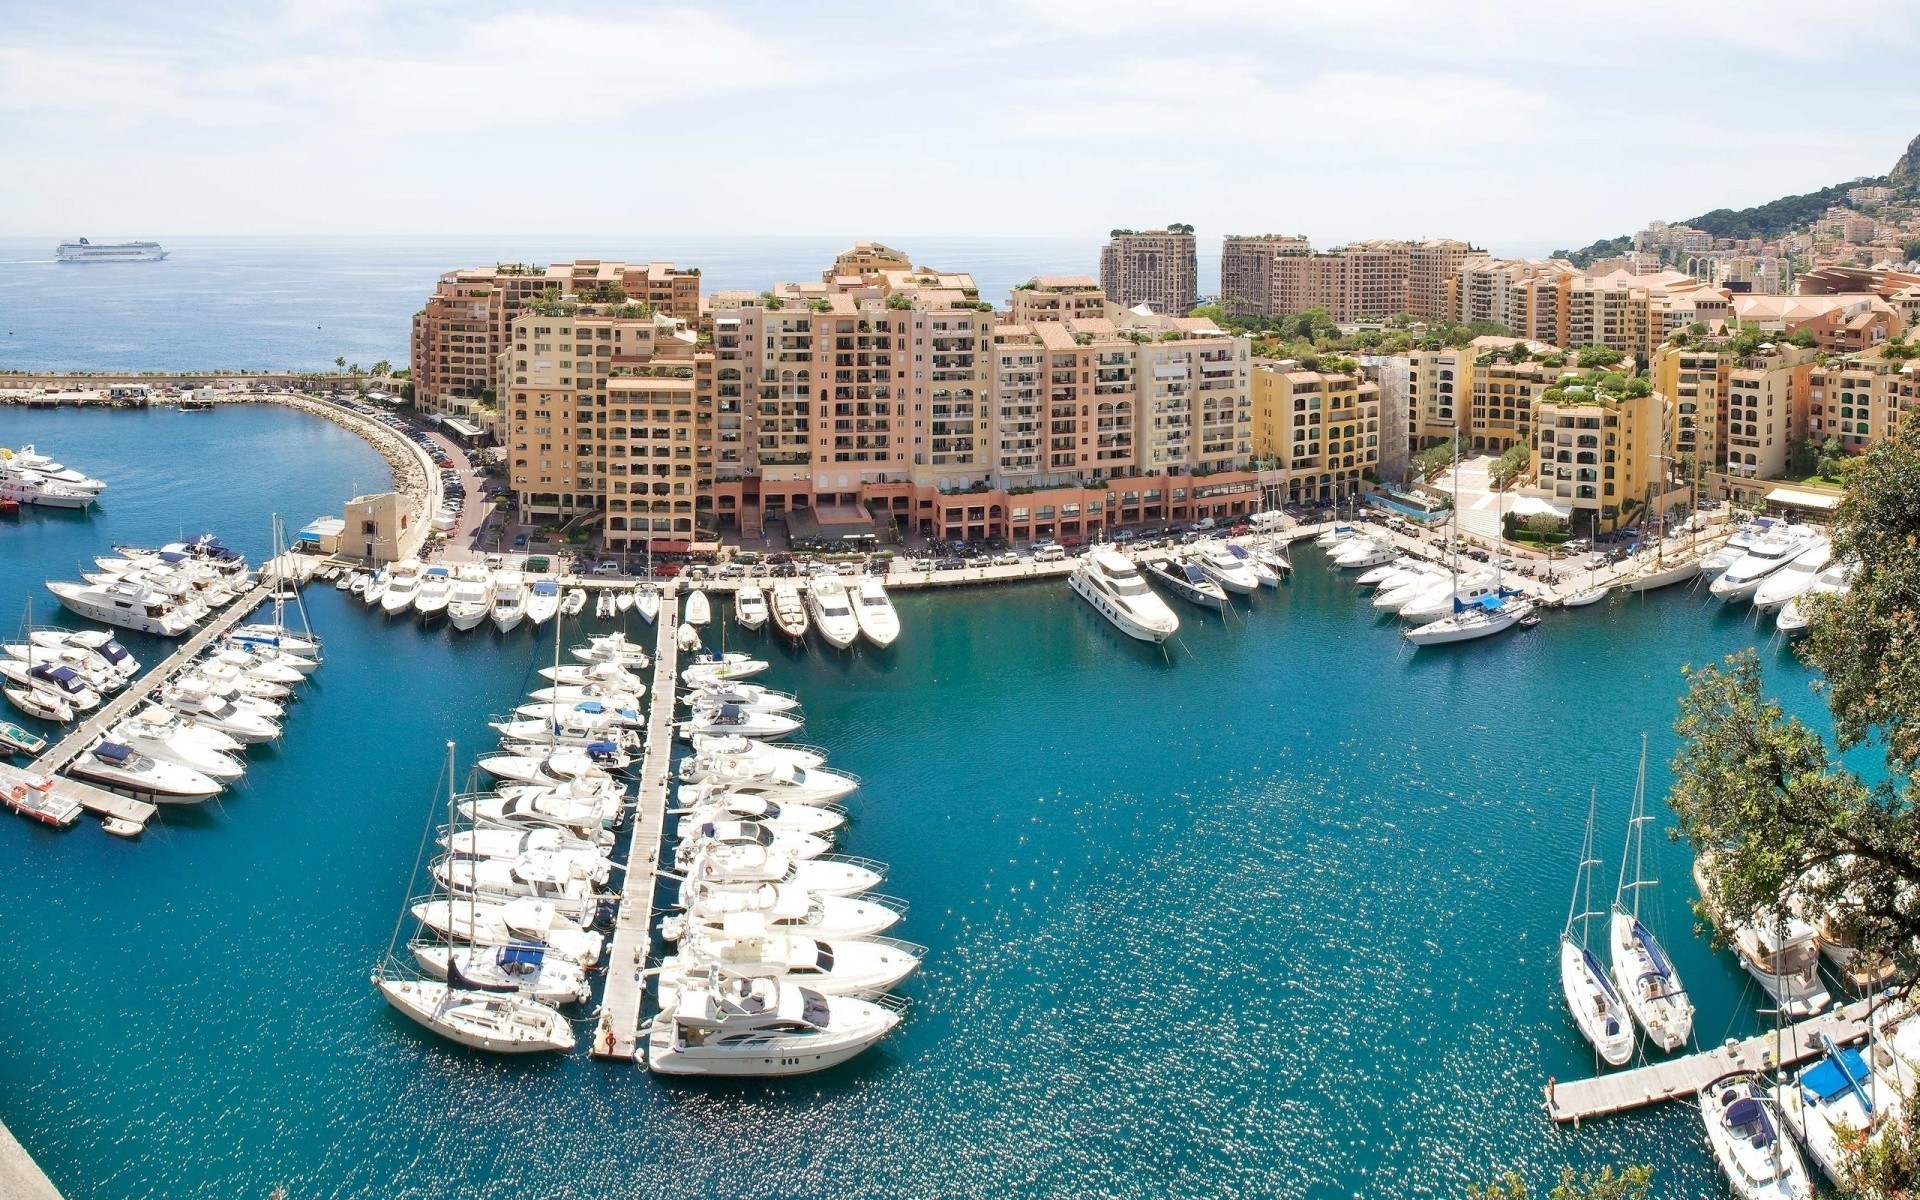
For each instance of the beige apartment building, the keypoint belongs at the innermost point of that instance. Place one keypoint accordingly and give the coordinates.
(1246, 270)
(1502, 396)
(1323, 429)
(1191, 380)
(1058, 298)
(1694, 381)
(461, 333)
(1371, 280)
(1765, 398)
(1858, 400)
(1439, 387)
(1064, 402)
(1155, 267)
(1598, 454)
(1525, 295)
(609, 417)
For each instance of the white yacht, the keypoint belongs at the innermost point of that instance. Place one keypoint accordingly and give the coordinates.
(1361, 553)
(731, 718)
(1836, 580)
(764, 810)
(1226, 569)
(505, 922)
(1330, 538)
(259, 666)
(569, 880)
(710, 690)
(575, 602)
(1794, 578)
(697, 835)
(560, 704)
(623, 602)
(750, 607)
(1743, 577)
(781, 780)
(609, 677)
(48, 706)
(783, 906)
(96, 642)
(1483, 618)
(646, 602)
(1642, 973)
(1110, 582)
(1388, 575)
(118, 768)
(832, 614)
(30, 459)
(1447, 596)
(56, 681)
(563, 765)
(1190, 583)
(789, 612)
(403, 586)
(747, 862)
(874, 611)
(376, 588)
(1267, 572)
(90, 671)
(470, 599)
(1743, 1131)
(509, 600)
(162, 735)
(127, 606)
(31, 487)
(1782, 953)
(743, 946)
(758, 754)
(1596, 1007)
(512, 843)
(543, 602)
(435, 592)
(716, 1026)
(1417, 583)
(612, 648)
(196, 700)
(522, 969)
(718, 665)
(1840, 1102)
(1663, 572)
(499, 1024)
(699, 608)
(549, 809)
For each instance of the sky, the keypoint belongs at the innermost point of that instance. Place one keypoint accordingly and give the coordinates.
(1508, 124)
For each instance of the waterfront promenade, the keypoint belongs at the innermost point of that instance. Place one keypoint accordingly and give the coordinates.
(20, 1177)
(617, 1033)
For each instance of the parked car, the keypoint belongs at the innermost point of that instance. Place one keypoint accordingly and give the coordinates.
(1009, 559)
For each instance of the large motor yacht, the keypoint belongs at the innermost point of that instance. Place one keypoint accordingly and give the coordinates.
(128, 606)
(712, 1026)
(1114, 587)
(832, 614)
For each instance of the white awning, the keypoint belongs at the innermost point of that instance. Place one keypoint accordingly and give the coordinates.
(1795, 498)
(1529, 506)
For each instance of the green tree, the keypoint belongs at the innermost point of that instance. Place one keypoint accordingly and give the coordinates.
(1763, 794)
(340, 363)
(1633, 1183)
(1212, 312)
(1598, 356)
(1804, 339)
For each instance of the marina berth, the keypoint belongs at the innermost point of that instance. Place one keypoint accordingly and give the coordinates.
(1188, 582)
(1748, 1143)
(782, 907)
(1111, 584)
(1795, 578)
(518, 968)
(543, 602)
(403, 588)
(873, 609)
(744, 947)
(509, 606)
(435, 592)
(790, 618)
(1742, 578)
(720, 1026)
(832, 612)
(119, 768)
(750, 607)
(498, 1024)
(1781, 952)
(731, 718)
(1232, 572)
(505, 923)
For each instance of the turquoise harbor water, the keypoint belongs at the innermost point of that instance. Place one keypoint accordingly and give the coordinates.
(1272, 915)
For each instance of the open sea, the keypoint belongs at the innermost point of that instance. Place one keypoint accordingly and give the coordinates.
(1273, 914)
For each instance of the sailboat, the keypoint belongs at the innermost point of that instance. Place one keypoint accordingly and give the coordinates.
(1642, 972)
(1596, 1007)
(485, 1016)
(1483, 615)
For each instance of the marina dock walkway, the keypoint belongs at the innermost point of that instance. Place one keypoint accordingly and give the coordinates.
(1679, 1078)
(617, 1034)
(20, 1177)
(71, 747)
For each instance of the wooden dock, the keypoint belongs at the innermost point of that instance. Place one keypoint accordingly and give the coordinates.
(617, 1033)
(1680, 1078)
(97, 723)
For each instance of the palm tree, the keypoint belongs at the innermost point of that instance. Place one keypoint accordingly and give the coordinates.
(340, 363)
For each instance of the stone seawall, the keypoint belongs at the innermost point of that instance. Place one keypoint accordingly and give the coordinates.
(414, 476)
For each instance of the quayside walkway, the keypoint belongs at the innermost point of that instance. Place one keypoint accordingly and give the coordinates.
(617, 1033)
(1680, 1078)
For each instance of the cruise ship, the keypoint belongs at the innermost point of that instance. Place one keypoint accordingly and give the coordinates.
(85, 251)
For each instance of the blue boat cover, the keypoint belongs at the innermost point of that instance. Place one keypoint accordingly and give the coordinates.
(113, 652)
(729, 712)
(1490, 603)
(1835, 1075)
(546, 587)
(589, 706)
(518, 958)
(1654, 953)
(602, 749)
(112, 752)
(172, 556)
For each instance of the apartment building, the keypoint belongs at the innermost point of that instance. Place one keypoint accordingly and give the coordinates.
(608, 416)
(1155, 267)
(1324, 429)
(1765, 410)
(1392, 374)
(1841, 323)
(1064, 402)
(1246, 270)
(1694, 381)
(1857, 400)
(1057, 298)
(1370, 280)
(1525, 295)
(462, 331)
(1597, 454)
(1439, 387)
(1195, 412)
(1501, 398)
